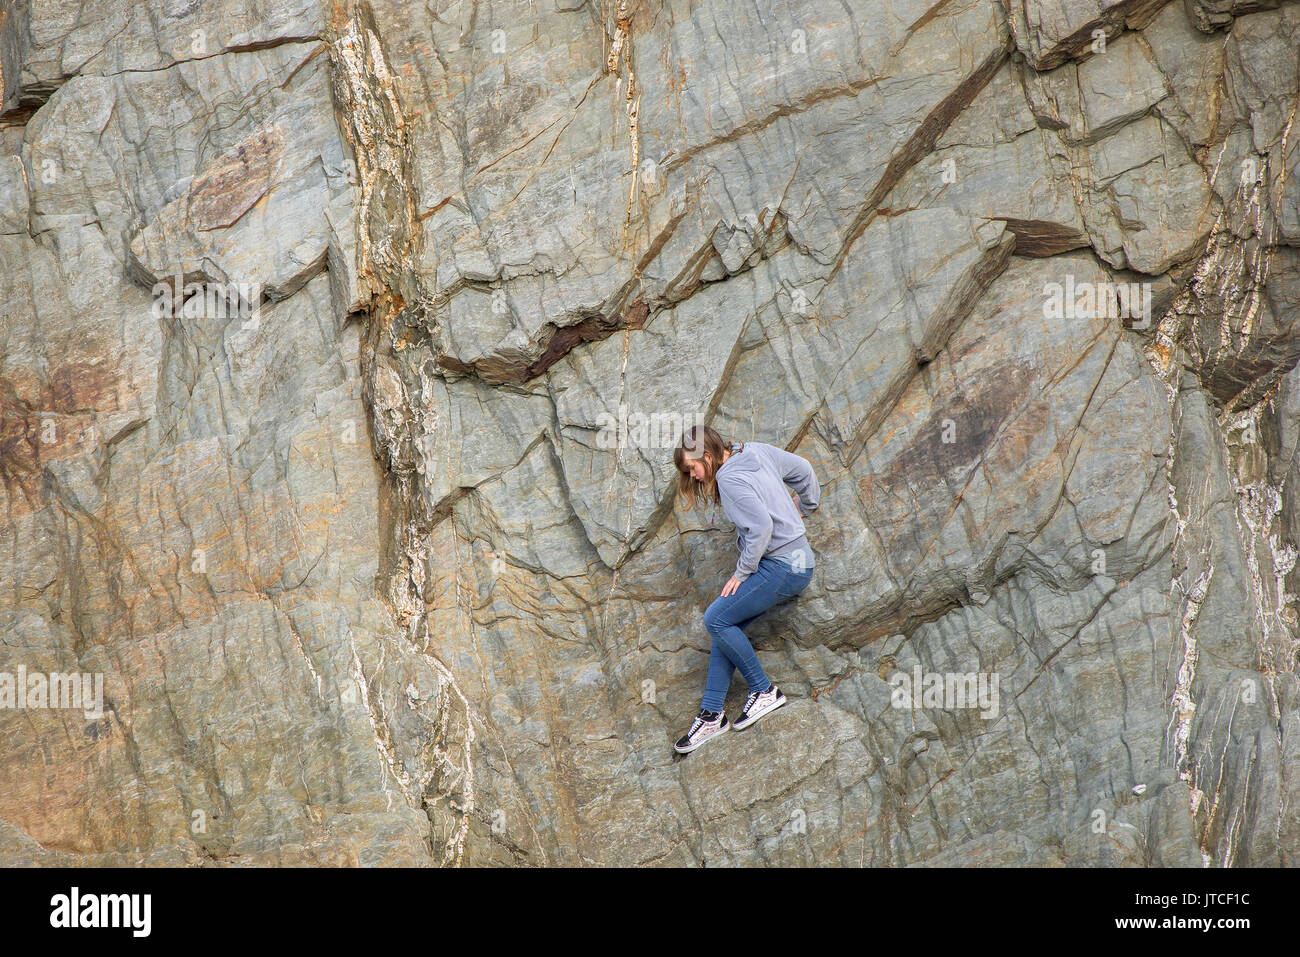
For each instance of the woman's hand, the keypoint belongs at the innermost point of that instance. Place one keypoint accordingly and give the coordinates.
(730, 587)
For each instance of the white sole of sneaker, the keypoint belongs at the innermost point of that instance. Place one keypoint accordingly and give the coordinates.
(738, 724)
(700, 744)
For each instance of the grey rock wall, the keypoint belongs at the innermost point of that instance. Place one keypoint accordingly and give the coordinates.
(314, 316)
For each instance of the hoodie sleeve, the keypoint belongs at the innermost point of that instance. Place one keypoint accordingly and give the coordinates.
(797, 473)
(751, 518)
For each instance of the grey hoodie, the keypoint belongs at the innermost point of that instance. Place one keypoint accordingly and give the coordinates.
(752, 485)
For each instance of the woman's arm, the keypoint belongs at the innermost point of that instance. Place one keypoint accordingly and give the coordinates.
(797, 473)
(751, 517)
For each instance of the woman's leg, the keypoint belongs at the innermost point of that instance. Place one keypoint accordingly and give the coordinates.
(722, 661)
(720, 668)
(731, 649)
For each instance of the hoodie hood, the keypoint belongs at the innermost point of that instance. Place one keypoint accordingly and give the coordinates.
(743, 461)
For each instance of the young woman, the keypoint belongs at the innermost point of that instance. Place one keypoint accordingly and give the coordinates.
(776, 561)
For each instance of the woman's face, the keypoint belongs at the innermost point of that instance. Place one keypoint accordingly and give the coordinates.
(697, 467)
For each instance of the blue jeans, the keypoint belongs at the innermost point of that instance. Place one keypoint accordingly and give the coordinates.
(773, 582)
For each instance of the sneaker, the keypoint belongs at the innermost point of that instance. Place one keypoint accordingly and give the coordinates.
(757, 705)
(707, 724)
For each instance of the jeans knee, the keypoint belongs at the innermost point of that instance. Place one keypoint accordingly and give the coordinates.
(714, 619)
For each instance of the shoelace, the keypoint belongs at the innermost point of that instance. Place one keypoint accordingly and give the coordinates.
(699, 723)
(753, 697)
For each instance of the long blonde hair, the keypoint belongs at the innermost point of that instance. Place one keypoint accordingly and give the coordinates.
(695, 443)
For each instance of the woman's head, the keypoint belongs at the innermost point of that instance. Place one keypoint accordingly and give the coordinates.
(697, 456)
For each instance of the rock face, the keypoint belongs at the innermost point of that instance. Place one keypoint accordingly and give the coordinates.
(315, 317)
